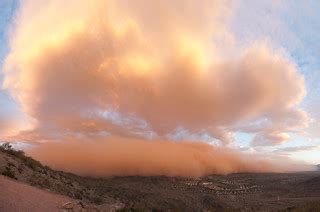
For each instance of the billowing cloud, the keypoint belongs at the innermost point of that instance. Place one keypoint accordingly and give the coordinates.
(276, 129)
(131, 68)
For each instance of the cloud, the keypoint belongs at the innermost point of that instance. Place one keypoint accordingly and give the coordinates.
(134, 68)
(274, 129)
(10, 122)
(296, 149)
(99, 59)
(285, 24)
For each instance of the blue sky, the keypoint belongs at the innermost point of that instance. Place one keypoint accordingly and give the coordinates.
(7, 9)
(292, 25)
(9, 108)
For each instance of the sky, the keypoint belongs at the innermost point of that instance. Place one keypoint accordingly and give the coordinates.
(242, 75)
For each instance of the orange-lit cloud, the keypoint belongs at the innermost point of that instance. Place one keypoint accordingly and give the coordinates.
(157, 65)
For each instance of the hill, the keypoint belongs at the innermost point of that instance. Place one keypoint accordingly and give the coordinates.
(244, 191)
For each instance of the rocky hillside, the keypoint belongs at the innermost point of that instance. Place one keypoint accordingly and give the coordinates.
(17, 166)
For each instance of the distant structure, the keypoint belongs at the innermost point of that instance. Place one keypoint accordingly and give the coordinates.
(318, 167)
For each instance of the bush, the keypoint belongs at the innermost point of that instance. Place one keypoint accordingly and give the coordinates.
(9, 173)
(97, 200)
(28, 161)
(31, 163)
(6, 146)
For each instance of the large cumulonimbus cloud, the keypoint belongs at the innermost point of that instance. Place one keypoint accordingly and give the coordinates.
(157, 65)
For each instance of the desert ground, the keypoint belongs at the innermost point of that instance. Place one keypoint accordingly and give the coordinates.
(17, 196)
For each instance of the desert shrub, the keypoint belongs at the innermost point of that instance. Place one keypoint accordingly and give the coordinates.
(6, 146)
(11, 164)
(28, 161)
(47, 168)
(97, 200)
(45, 182)
(9, 173)
(20, 169)
(16, 153)
(78, 195)
(31, 163)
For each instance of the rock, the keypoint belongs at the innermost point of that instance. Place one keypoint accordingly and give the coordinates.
(119, 206)
(81, 204)
(67, 206)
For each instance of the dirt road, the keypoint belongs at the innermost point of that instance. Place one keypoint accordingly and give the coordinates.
(16, 196)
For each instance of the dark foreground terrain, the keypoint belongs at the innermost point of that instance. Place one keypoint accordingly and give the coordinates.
(244, 191)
